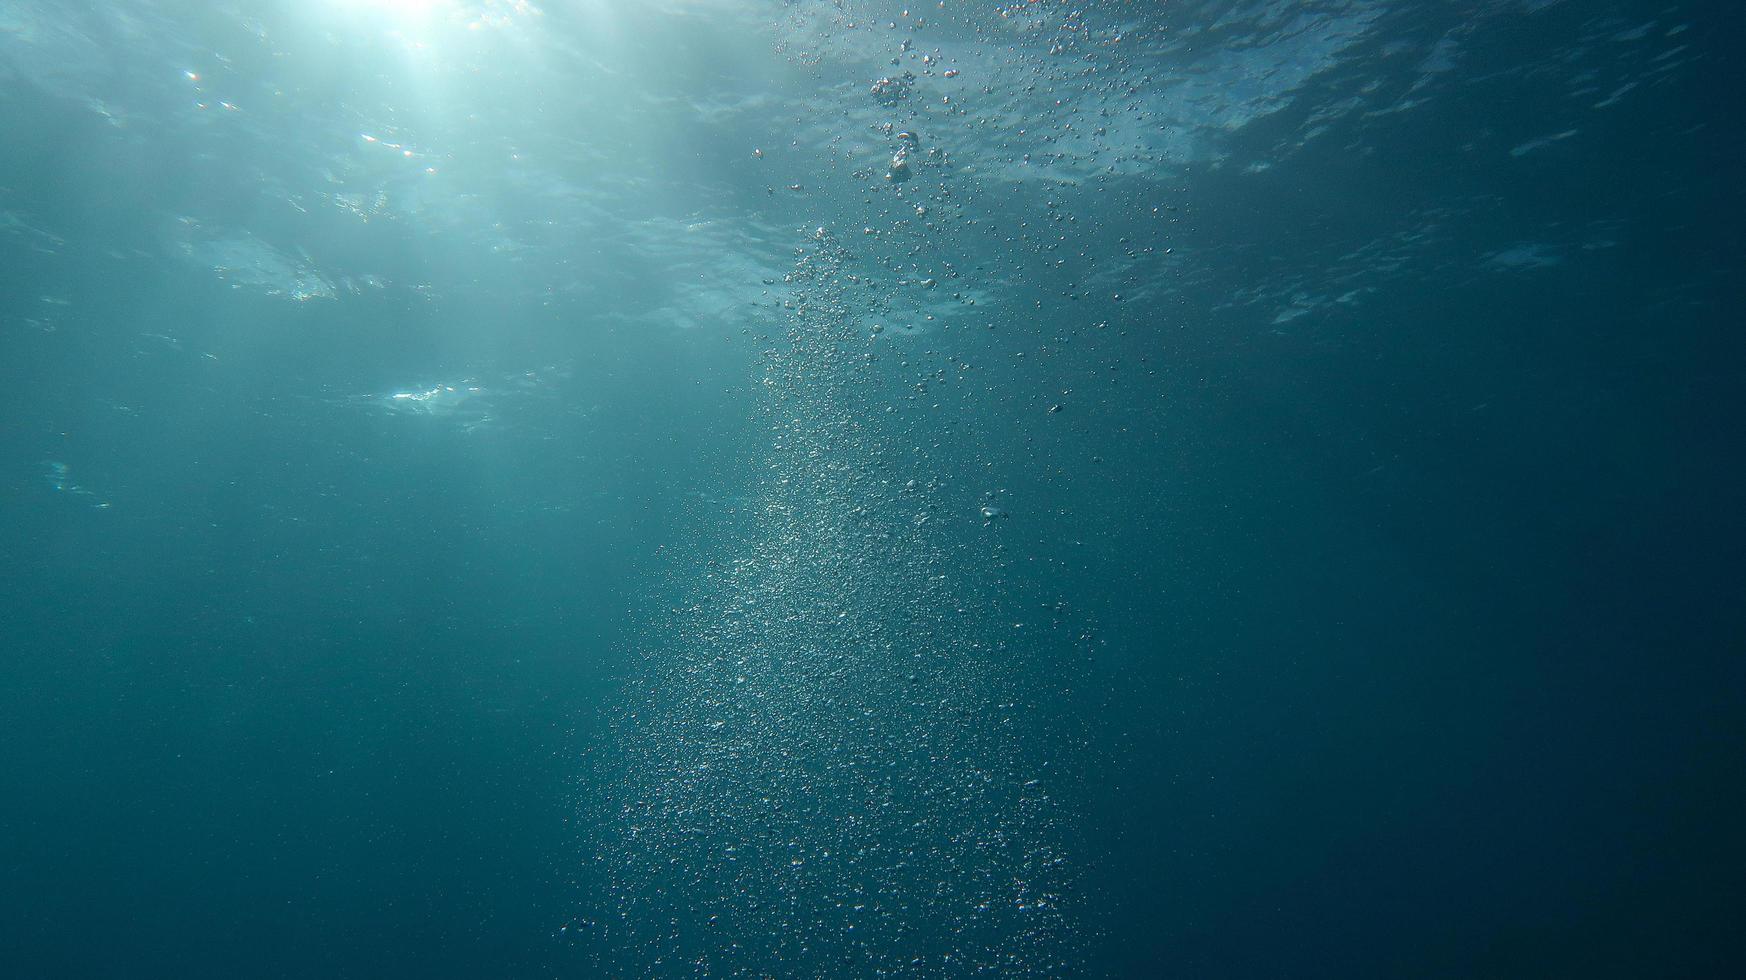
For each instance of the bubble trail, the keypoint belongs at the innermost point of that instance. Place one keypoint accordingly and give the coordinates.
(826, 770)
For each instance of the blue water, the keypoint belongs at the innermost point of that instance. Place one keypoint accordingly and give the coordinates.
(727, 488)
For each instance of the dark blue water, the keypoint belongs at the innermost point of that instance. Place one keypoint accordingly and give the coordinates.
(716, 488)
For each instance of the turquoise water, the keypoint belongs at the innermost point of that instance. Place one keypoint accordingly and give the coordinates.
(716, 488)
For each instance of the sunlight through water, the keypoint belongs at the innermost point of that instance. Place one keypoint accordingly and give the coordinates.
(935, 490)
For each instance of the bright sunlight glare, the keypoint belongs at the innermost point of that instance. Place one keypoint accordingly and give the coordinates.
(402, 13)
(405, 14)
(402, 8)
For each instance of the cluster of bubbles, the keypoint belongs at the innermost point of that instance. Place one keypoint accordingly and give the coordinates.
(827, 769)
(891, 90)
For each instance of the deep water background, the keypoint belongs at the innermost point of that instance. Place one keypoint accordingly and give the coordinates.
(1360, 383)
